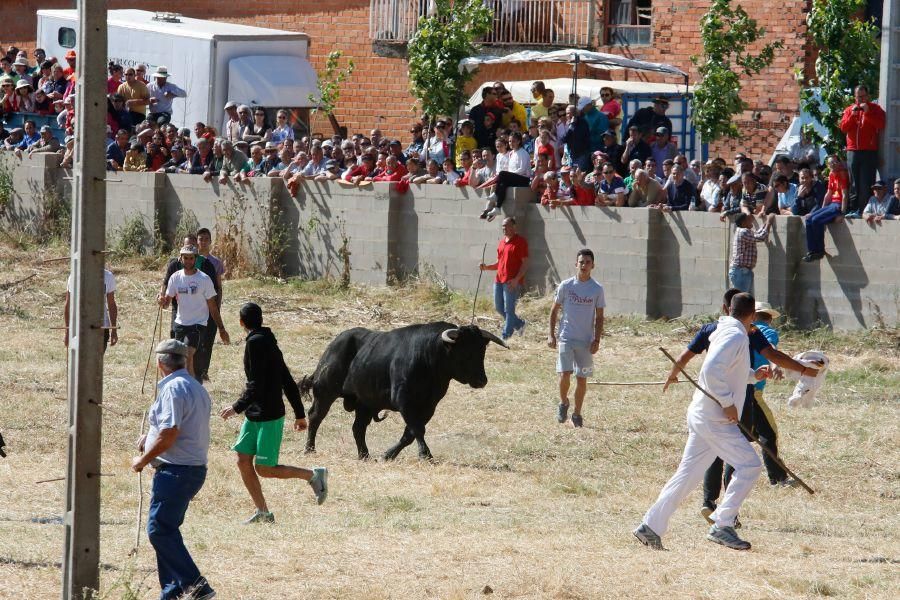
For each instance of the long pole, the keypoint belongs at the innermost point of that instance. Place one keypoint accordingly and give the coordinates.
(478, 286)
(81, 558)
(740, 425)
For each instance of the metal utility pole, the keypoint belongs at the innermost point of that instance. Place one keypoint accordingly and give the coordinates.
(81, 559)
(889, 92)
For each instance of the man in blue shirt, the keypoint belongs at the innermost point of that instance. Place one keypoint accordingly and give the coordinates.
(176, 445)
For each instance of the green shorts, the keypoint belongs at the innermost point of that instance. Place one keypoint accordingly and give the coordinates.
(261, 439)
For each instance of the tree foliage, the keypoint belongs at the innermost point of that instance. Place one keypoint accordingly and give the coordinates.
(848, 56)
(329, 83)
(442, 40)
(726, 32)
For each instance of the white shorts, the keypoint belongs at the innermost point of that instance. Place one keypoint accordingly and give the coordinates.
(575, 358)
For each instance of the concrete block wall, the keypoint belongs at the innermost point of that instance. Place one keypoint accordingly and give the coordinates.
(655, 264)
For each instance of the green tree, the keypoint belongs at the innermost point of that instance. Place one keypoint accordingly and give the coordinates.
(848, 56)
(725, 33)
(329, 86)
(440, 42)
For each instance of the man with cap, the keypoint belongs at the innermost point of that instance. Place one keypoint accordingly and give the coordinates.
(259, 442)
(881, 206)
(613, 152)
(162, 93)
(485, 118)
(231, 126)
(597, 121)
(196, 296)
(70, 60)
(46, 143)
(651, 118)
(176, 445)
(136, 95)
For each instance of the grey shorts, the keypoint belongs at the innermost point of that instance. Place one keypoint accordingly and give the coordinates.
(575, 358)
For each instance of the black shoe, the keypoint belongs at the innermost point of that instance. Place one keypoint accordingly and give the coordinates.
(813, 256)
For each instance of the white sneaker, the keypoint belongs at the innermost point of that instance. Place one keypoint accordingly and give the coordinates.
(494, 212)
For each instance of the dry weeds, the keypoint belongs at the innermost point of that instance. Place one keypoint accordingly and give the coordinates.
(516, 505)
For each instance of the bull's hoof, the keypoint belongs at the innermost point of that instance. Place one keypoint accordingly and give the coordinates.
(310, 450)
(364, 456)
(426, 457)
(390, 455)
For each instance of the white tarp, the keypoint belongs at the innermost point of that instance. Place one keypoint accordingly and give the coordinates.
(597, 60)
(273, 81)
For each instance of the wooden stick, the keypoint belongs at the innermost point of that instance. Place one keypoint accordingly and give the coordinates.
(740, 425)
(630, 382)
(6, 286)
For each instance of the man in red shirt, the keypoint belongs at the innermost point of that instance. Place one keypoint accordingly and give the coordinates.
(862, 122)
(512, 262)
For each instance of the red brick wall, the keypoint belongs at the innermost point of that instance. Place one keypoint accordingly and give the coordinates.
(377, 94)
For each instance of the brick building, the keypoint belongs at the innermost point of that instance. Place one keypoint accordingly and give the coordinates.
(377, 94)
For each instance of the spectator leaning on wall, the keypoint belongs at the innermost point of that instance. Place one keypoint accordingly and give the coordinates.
(862, 122)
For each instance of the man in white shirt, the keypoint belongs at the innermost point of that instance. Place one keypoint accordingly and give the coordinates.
(713, 432)
(110, 309)
(582, 302)
(196, 303)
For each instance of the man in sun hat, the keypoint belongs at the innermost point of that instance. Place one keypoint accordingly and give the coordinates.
(759, 418)
(177, 446)
(162, 92)
(196, 295)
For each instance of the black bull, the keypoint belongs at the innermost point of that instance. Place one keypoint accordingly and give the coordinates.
(406, 370)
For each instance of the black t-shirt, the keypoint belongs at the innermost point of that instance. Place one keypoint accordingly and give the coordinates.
(648, 121)
(484, 136)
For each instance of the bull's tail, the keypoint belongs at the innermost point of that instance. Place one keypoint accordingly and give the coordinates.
(378, 419)
(306, 385)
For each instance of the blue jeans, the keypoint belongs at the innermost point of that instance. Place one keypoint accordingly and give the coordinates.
(174, 486)
(505, 300)
(741, 278)
(815, 226)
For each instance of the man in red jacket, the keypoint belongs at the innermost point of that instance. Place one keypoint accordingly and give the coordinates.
(862, 123)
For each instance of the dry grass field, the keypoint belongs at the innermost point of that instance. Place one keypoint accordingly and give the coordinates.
(515, 505)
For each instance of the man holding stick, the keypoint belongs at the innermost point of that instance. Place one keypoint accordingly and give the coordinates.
(752, 417)
(713, 432)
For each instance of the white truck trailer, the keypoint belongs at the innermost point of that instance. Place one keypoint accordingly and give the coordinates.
(213, 62)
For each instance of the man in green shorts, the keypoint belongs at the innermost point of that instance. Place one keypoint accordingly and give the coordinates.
(263, 408)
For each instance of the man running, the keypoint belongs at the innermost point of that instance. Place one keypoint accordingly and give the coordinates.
(581, 300)
(263, 408)
(713, 431)
(752, 417)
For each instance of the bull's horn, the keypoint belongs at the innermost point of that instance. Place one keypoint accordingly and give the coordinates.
(449, 335)
(493, 338)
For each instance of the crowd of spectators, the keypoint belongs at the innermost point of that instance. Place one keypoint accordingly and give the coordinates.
(568, 154)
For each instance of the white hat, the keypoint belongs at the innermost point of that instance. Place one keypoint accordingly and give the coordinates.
(161, 71)
(231, 104)
(765, 307)
(583, 102)
(23, 83)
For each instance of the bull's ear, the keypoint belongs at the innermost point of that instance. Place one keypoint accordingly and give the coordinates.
(450, 335)
(493, 338)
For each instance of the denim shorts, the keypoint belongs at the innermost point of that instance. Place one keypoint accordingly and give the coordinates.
(575, 358)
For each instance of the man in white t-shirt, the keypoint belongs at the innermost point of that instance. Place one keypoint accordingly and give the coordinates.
(581, 300)
(110, 309)
(196, 297)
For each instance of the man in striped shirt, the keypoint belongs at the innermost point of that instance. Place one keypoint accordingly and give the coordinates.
(743, 252)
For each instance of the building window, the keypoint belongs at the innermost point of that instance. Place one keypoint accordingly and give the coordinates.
(628, 22)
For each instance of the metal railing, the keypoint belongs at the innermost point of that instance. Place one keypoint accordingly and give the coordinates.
(516, 22)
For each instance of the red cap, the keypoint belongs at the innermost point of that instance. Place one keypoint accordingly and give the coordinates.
(70, 54)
